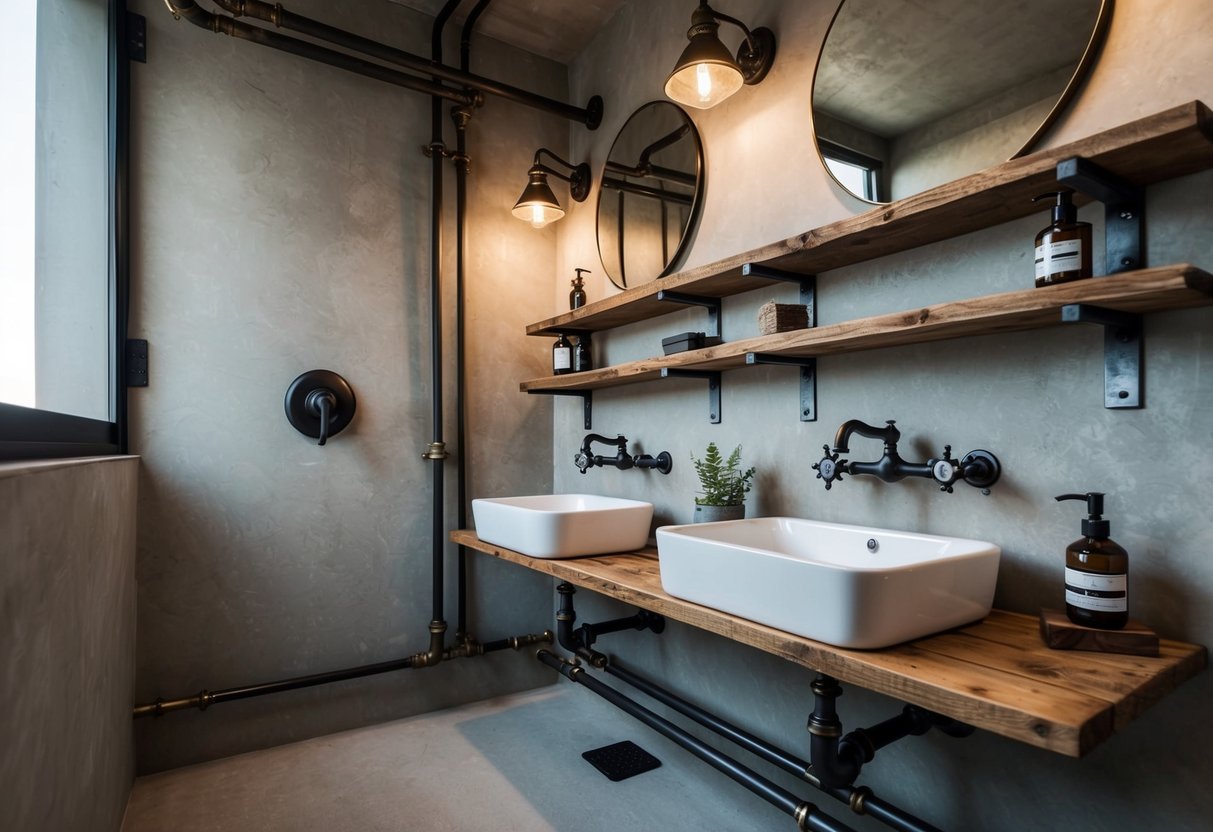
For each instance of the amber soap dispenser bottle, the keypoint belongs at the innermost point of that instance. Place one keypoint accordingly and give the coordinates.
(1097, 571)
(1063, 250)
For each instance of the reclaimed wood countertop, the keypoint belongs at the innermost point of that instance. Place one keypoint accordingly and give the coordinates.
(995, 674)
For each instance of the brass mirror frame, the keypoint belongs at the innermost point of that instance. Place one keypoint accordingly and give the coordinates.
(697, 199)
(1102, 21)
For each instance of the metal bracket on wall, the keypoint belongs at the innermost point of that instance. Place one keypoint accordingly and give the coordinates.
(808, 379)
(136, 37)
(587, 402)
(713, 377)
(711, 304)
(807, 282)
(808, 366)
(1122, 352)
(1124, 211)
(136, 362)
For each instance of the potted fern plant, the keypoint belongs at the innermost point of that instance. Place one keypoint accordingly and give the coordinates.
(722, 485)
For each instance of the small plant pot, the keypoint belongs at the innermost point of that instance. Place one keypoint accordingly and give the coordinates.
(710, 514)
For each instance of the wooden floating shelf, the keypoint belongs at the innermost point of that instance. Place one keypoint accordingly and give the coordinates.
(1172, 143)
(1147, 290)
(996, 674)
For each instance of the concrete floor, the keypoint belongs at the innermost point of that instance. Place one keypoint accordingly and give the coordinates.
(512, 763)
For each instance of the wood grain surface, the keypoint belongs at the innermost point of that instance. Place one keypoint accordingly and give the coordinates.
(1163, 146)
(995, 674)
(1147, 290)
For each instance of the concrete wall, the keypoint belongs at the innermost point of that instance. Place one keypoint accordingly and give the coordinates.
(1035, 400)
(283, 216)
(67, 658)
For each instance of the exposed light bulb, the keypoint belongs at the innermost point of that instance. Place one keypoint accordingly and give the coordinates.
(703, 79)
(538, 217)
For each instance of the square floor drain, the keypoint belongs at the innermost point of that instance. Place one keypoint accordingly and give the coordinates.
(621, 760)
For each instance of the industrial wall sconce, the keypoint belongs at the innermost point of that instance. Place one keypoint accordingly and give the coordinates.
(707, 74)
(538, 205)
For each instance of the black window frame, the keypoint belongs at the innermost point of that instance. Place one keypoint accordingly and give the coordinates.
(873, 166)
(31, 433)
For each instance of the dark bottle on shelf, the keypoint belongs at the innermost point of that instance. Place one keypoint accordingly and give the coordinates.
(583, 359)
(1097, 571)
(1063, 250)
(577, 295)
(562, 356)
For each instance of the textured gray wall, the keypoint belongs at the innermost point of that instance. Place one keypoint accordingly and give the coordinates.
(67, 654)
(283, 219)
(1033, 399)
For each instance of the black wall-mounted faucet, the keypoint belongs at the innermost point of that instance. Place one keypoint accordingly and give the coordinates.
(586, 459)
(979, 469)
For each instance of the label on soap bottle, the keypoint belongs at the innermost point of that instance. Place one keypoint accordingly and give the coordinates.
(562, 358)
(1056, 258)
(1101, 593)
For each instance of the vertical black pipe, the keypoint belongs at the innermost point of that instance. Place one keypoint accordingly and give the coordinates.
(462, 115)
(436, 217)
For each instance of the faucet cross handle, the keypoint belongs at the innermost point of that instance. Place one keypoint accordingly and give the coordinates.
(829, 468)
(946, 471)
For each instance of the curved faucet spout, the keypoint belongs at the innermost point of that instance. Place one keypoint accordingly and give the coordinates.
(842, 438)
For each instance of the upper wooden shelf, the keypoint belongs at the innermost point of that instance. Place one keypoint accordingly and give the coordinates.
(1147, 290)
(996, 674)
(1172, 143)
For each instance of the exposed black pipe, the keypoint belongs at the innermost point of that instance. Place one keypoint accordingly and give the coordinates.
(860, 799)
(205, 699)
(437, 152)
(219, 24)
(806, 814)
(590, 115)
(462, 116)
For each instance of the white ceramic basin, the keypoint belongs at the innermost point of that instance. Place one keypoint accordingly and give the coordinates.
(850, 586)
(563, 525)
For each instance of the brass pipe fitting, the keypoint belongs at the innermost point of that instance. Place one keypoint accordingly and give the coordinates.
(531, 639)
(434, 655)
(436, 450)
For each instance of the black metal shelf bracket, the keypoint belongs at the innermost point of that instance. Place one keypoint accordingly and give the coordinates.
(711, 304)
(1124, 211)
(1122, 353)
(808, 366)
(808, 378)
(713, 377)
(807, 282)
(587, 402)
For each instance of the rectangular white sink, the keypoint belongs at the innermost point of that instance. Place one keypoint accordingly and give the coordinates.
(849, 586)
(563, 525)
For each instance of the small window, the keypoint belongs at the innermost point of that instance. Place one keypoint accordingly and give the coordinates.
(857, 172)
(62, 253)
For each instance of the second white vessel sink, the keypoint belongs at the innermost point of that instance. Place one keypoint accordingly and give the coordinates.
(563, 525)
(850, 586)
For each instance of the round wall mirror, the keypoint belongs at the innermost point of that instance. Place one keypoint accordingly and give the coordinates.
(910, 95)
(650, 195)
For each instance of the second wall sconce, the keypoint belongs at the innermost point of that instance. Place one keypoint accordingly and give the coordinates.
(538, 205)
(707, 74)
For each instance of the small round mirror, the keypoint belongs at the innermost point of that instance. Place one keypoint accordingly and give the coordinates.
(910, 95)
(650, 195)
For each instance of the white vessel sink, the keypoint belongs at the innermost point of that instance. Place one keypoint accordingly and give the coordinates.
(563, 525)
(850, 586)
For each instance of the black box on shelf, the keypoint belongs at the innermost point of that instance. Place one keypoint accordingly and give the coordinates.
(682, 342)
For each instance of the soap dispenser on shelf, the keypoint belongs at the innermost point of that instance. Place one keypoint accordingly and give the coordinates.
(577, 295)
(1063, 249)
(1097, 571)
